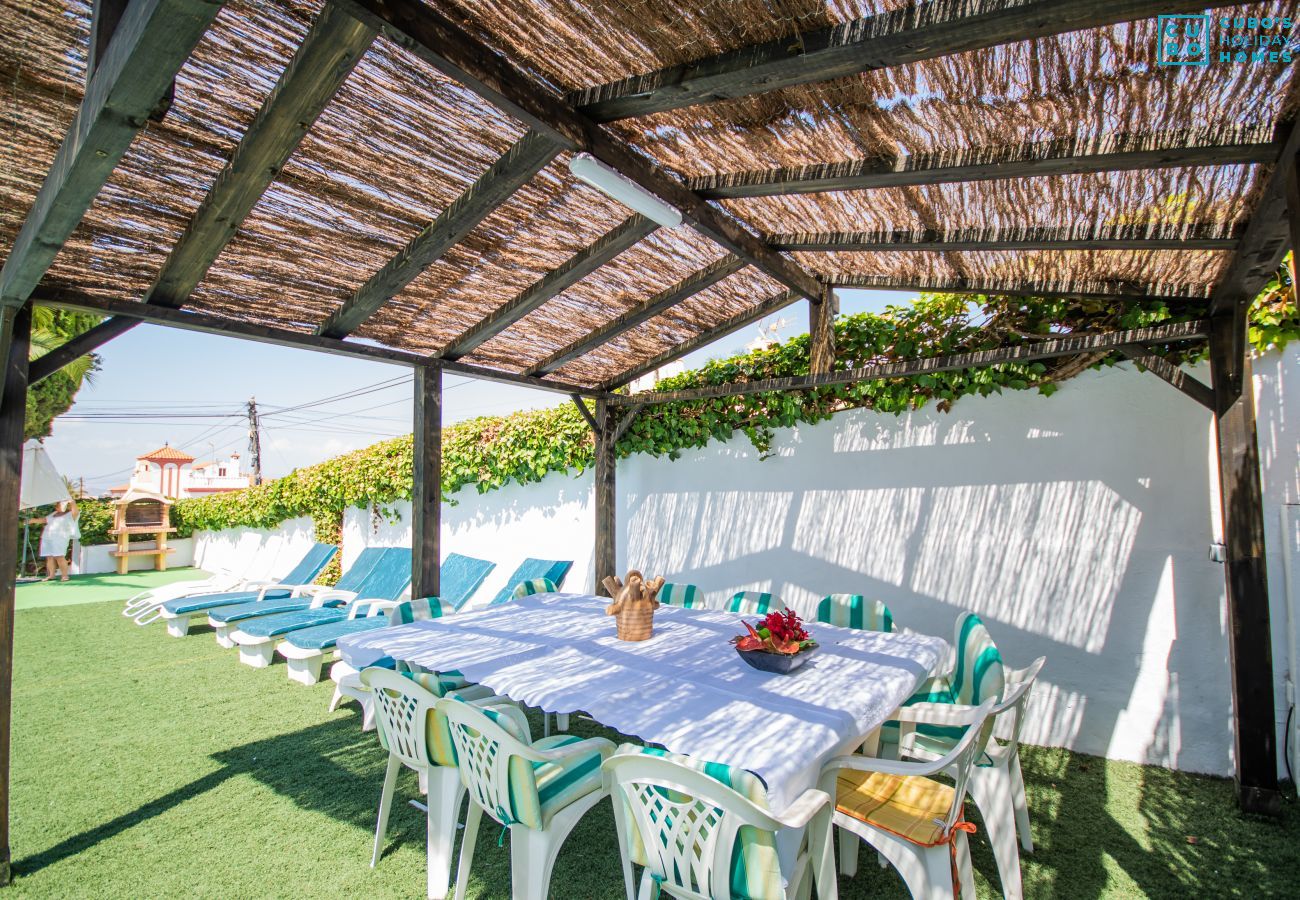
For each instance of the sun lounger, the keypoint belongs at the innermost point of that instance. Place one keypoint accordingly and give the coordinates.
(260, 560)
(306, 648)
(180, 611)
(387, 573)
(530, 569)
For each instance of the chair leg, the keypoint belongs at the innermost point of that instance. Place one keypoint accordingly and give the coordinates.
(937, 863)
(472, 820)
(532, 854)
(821, 856)
(385, 804)
(179, 626)
(965, 870)
(1020, 803)
(990, 788)
(368, 714)
(562, 722)
(336, 699)
(445, 795)
(848, 852)
(305, 671)
(647, 889)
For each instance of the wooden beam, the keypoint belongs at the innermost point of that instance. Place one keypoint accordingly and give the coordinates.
(1028, 352)
(15, 343)
(586, 413)
(451, 49)
(1193, 237)
(509, 173)
(1168, 372)
(426, 489)
(209, 324)
(1264, 242)
(1118, 291)
(656, 305)
(907, 35)
(626, 422)
(104, 16)
(553, 283)
(1250, 643)
(821, 333)
(332, 48)
(151, 43)
(1120, 153)
(605, 496)
(704, 338)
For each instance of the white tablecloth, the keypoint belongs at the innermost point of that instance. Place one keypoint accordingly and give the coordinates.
(684, 688)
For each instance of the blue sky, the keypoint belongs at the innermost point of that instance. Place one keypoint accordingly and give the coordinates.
(194, 387)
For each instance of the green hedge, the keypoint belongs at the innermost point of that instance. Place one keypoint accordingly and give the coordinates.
(491, 452)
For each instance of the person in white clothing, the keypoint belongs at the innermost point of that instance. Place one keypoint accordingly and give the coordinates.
(60, 529)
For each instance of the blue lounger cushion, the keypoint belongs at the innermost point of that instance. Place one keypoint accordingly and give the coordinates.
(273, 626)
(311, 564)
(379, 573)
(529, 569)
(460, 576)
(323, 637)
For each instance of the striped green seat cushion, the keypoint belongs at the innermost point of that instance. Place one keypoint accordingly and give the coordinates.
(754, 603)
(978, 676)
(855, 611)
(228, 614)
(687, 596)
(183, 605)
(755, 868)
(553, 570)
(534, 586)
(282, 623)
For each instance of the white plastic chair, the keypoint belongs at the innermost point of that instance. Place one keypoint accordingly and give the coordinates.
(502, 768)
(415, 736)
(996, 783)
(913, 821)
(682, 825)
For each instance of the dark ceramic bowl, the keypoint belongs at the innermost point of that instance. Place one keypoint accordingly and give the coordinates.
(778, 663)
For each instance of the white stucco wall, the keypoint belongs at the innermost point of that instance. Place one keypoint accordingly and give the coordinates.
(1077, 526)
(255, 552)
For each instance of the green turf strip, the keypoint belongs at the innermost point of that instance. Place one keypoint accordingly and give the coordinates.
(148, 766)
(98, 588)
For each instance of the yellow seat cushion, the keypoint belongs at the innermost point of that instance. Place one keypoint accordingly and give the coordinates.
(911, 807)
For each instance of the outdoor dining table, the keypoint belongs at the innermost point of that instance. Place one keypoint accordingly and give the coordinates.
(685, 688)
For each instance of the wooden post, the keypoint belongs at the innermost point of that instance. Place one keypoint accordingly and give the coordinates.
(426, 492)
(605, 496)
(1250, 645)
(15, 342)
(821, 328)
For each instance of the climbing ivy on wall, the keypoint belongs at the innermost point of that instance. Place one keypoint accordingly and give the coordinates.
(493, 451)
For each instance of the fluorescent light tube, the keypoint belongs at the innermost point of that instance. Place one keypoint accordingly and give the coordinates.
(587, 168)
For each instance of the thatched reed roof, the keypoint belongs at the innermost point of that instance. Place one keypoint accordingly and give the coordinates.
(941, 149)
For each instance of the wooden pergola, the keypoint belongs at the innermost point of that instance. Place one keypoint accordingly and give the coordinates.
(202, 175)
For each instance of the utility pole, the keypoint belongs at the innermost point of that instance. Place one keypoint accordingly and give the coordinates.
(255, 440)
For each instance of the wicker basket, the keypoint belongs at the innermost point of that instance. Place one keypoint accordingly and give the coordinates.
(635, 621)
(634, 605)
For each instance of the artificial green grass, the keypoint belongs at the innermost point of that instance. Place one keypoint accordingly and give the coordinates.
(98, 588)
(146, 766)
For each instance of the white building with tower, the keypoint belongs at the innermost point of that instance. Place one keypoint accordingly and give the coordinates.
(173, 473)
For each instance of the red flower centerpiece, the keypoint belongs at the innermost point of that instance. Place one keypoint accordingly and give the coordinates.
(779, 644)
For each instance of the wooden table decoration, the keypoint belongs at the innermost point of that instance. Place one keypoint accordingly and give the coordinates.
(635, 602)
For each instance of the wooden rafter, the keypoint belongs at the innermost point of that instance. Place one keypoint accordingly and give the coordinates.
(509, 173)
(1086, 290)
(913, 33)
(1028, 352)
(448, 47)
(209, 324)
(1060, 157)
(1172, 374)
(704, 338)
(659, 303)
(553, 283)
(1123, 237)
(152, 41)
(328, 54)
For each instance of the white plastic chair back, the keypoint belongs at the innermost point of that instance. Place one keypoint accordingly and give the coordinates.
(961, 759)
(483, 753)
(402, 710)
(687, 821)
(1009, 715)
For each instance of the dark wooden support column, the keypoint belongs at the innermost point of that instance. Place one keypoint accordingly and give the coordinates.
(15, 342)
(606, 559)
(1250, 645)
(426, 491)
(821, 329)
